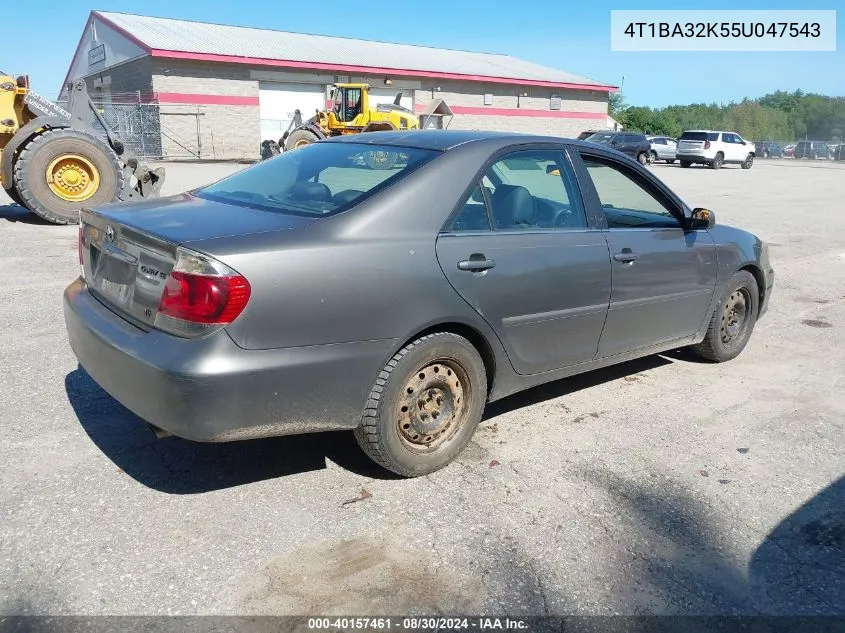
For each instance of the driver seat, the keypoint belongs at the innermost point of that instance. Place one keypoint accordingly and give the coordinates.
(512, 206)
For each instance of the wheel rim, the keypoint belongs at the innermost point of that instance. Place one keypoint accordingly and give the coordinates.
(433, 406)
(749, 161)
(654, 157)
(72, 177)
(735, 316)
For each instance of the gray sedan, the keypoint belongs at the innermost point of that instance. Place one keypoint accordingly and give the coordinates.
(394, 283)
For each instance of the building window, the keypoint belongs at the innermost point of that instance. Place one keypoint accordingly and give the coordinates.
(555, 102)
(488, 99)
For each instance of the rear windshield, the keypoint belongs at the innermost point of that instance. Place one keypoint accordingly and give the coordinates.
(319, 179)
(699, 136)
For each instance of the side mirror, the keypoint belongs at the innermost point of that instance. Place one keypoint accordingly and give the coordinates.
(702, 219)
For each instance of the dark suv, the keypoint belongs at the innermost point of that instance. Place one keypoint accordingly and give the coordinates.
(637, 146)
(768, 149)
(812, 150)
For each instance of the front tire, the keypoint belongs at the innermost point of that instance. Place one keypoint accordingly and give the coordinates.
(733, 320)
(748, 162)
(685, 164)
(300, 138)
(424, 406)
(83, 171)
(642, 158)
(653, 156)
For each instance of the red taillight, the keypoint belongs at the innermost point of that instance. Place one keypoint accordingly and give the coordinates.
(706, 144)
(206, 299)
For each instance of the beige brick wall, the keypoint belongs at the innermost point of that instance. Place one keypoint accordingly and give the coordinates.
(224, 131)
(232, 131)
(471, 94)
(567, 128)
(210, 131)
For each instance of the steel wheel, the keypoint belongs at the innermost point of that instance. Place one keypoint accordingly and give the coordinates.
(72, 177)
(735, 315)
(433, 406)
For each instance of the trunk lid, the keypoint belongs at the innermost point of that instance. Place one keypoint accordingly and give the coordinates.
(128, 251)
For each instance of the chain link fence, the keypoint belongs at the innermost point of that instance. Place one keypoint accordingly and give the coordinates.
(151, 130)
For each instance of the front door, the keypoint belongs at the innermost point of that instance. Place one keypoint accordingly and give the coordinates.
(523, 255)
(663, 276)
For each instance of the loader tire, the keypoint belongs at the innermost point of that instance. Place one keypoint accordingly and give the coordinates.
(62, 170)
(300, 138)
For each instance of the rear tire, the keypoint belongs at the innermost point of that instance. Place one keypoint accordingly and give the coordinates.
(733, 320)
(685, 164)
(670, 161)
(717, 161)
(424, 406)
(48, 148)
(300, 138)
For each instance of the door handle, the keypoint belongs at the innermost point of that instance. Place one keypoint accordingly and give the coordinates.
(626, 256)
(476, 263)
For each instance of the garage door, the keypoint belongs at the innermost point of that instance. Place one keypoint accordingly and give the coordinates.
(277, 103)
(387, 95)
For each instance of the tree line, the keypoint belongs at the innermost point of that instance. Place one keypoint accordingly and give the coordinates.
(782, 116)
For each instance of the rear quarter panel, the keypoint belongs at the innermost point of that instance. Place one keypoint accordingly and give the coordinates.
(369, 273)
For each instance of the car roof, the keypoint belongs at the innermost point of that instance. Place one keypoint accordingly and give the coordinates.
(443, 140)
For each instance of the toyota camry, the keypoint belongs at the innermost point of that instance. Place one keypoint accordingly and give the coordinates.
(393, 283)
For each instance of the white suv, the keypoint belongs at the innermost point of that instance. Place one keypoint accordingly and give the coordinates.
(715, 148)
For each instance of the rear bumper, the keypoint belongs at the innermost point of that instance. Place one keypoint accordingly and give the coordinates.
(210, 389)
(694, 158)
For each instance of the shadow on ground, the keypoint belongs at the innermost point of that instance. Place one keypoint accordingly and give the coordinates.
(798, 571)
(15, 213)
(179, 466)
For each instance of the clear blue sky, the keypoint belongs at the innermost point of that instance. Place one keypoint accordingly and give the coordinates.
(574, 36)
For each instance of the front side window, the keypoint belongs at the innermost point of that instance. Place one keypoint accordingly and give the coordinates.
(319, 179)
(533, 190)
(625, 201)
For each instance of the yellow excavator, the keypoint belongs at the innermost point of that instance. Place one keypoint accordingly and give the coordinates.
(53, 162)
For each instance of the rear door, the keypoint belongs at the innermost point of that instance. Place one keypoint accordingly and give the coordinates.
(692, 142)
(522, 252)
(663, 276)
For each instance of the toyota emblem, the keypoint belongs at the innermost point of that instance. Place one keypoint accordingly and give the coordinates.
(109, 234)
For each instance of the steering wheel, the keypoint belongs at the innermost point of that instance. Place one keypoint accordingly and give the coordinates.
(562, 214)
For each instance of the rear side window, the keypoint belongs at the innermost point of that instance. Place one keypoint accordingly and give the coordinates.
(319, 179)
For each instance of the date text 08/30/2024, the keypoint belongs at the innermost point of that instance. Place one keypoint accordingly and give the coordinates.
(416, 624)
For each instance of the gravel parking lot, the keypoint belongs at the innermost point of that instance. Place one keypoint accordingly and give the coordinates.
(660, 486)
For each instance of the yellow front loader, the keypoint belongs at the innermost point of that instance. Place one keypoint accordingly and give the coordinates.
(53, 162)
(351, 113)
